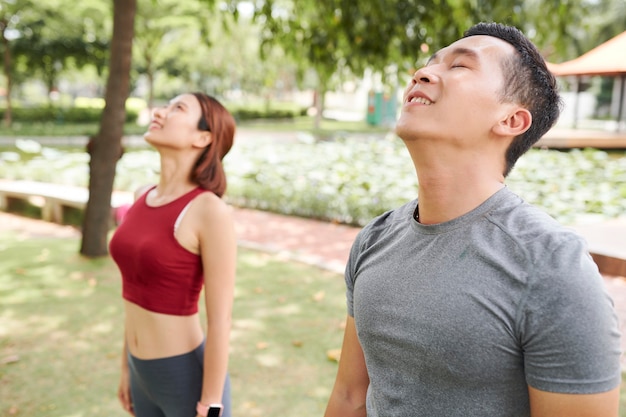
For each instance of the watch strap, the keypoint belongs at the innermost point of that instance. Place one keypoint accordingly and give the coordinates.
(211, 410)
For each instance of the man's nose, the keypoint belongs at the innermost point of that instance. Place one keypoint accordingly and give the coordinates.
(424, 75)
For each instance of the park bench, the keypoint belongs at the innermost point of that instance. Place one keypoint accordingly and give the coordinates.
(53, 198)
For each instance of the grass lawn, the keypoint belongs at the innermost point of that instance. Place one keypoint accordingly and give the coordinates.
(61, 332)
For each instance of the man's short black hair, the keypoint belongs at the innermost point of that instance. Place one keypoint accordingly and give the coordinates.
(528, 82)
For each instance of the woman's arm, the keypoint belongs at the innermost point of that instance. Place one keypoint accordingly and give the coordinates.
(218, 249)
(123, 391)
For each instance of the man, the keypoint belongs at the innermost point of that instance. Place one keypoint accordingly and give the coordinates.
(469, 301)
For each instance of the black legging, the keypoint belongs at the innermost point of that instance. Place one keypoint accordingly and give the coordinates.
(170, 387)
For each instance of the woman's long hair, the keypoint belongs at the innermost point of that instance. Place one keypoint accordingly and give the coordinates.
(208, 171)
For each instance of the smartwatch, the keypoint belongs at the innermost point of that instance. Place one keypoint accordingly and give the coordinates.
(211, 410)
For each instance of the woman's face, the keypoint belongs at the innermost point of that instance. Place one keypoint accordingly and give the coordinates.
(176, 124)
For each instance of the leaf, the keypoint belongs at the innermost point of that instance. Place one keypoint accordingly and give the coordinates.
(333, 355)
(9, 359)
(319, 296)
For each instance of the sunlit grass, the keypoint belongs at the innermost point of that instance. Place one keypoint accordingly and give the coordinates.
(61, 332)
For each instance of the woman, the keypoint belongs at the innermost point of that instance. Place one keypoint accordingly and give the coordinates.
(177, 237)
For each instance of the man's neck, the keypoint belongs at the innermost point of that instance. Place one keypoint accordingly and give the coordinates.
(441, 204)
(449, 188)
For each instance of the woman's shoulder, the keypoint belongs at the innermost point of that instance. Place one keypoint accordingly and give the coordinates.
(211, 207)
(210, 198)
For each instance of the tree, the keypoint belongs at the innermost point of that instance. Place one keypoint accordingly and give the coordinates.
(41, 40)
(311, 34)
(7, 66)
(95, 19)
(603, 21)
(172, 23)
(106, 147)
(334, 35)
(11, 14)
(50, 44)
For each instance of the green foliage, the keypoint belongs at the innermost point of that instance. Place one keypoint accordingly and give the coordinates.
(167, 36)
(309, 33)
(354, 179)
(62, 131)
(363, 34)
(198, 45)
(595, 23)
(52, 114)
(255, 113)
(51, 38)
(346, 181)
(574, 184)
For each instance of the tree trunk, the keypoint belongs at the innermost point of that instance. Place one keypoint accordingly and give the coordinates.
(106, 147)
(319, 107)
(150, 75)
(8, 114)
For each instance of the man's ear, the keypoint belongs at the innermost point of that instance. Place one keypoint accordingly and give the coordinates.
(515, 123)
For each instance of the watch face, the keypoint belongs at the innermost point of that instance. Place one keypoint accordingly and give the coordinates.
(214, 411)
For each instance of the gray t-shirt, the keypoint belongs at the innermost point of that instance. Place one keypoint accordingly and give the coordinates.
(455, 319)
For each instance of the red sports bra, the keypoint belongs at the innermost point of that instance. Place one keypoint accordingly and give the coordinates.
(158, 274)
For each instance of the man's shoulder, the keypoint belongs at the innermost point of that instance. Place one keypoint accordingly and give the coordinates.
(531, 226)
(386, 224)
(398, 217)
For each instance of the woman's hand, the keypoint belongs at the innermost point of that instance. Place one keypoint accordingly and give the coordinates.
(123, 393)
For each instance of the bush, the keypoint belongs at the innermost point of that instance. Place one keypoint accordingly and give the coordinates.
(251, 114)
(254, 112)
(90, 110)
(60, 115)
(345, 181)
(352, 180)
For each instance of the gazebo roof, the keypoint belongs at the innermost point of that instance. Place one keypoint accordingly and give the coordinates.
(608, 58)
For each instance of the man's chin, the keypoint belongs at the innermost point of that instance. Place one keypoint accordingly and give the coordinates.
(406, 129)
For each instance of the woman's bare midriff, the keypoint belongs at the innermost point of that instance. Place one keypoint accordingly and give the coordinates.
(152, 335)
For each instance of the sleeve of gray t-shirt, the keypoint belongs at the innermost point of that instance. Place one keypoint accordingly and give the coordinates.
(568, 328)
(351, 269)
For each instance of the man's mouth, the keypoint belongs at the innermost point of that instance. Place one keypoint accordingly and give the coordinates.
(421, 100)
